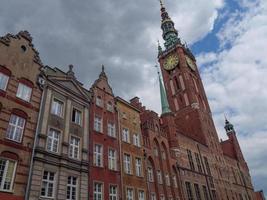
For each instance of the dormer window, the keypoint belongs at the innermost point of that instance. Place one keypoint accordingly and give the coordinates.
(3, 81)
(99, 101)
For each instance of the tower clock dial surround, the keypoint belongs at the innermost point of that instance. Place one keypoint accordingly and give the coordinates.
(170, 62)
(190, 63)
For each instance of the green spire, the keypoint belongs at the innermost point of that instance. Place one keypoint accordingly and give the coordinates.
(170, 34)
(163, 97)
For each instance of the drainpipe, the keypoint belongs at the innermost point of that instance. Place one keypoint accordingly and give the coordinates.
(204, 172)
(121, 166)
(34, 145)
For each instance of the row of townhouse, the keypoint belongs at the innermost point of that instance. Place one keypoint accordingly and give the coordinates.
(59, 140)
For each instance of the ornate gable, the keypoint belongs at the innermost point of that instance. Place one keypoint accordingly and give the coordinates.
(102, 82)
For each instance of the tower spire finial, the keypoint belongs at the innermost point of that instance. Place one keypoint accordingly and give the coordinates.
(170, 34)
(164, 102)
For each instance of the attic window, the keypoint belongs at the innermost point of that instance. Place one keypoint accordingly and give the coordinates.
(23, 48)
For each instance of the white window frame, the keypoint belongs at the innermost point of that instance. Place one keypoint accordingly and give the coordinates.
(110, 107)
(74, 147)
(127, 163)
(98, 123)
(57, 107)
(153, 196)
(98, 194)
(112, 159)
(5, 174)
(174, 180)
(113, 194)
(3, 81)
(48, 181)
(99, 101)
(141, 195)
(98, 155)
(126, 135)
(72, 187)
(167, 179)
(138, 167)
(111, 129)
(136, 140)
(15, 128)
(77, 117)
(150, 174)
(51, 138)
(159, 176)
(24, 92)
(129, 193)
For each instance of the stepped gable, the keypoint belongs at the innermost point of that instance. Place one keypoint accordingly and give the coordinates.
(26, 35)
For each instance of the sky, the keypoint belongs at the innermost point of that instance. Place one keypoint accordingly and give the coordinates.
(228, 38)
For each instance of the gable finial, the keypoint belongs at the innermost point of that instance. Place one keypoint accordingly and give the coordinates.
(103, 68)
(161, 3)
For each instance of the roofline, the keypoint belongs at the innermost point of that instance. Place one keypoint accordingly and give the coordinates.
(117, 98)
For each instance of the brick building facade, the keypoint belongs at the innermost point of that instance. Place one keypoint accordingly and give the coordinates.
(104, 147)
(20, 98)
(132, 154)
(89, 144)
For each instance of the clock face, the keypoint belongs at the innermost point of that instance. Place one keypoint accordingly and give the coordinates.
(171, 62)
(190, 63)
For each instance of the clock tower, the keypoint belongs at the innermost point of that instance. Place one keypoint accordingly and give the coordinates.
(184, 88)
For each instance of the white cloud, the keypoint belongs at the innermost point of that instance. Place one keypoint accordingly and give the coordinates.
(236, 83)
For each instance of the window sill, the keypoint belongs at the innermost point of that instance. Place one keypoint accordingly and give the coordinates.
(7, 191)
(14, 141)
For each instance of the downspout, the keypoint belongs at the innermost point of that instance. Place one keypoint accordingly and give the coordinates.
(121, 166)
(34, 146)
(204, 172)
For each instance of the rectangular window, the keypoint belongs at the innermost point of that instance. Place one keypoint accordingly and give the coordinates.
(48, 181)
(72, 188)
(174, 181)
(129, 194)
(98, 155)
(189, 191)
(125, 135)
(205, 192)
(214, 196)
(76, 116)
(98, 191)
(159, 177)
(127, 163)
(197, 191)
(57, 108)
(150, 174)
(99, 101)
(98, 124)
(198, 162)
(112, 159)
(3, 81)
(7, 173)
(136, 140)
(190, 158)
(15, 128)
(74, 147)
(24, 92)
(113, 193)
(153, 196)
(138, 166)
(141, 195)
(110, 107)
(111, 129)
(167, 178)
(53, 140)
(207, 165)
